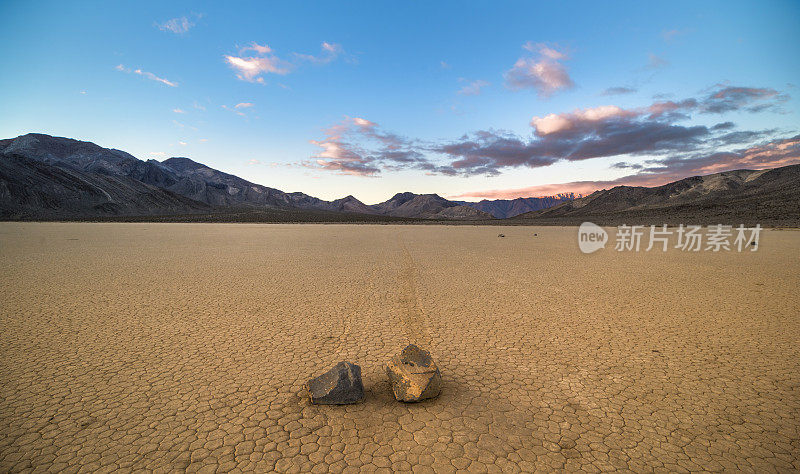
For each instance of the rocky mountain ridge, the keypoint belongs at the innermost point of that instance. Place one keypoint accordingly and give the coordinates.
(52, 177)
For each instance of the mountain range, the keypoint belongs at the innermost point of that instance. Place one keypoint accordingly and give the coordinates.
(45, 177)
(503, 208)
(53, 178)
(767, 197)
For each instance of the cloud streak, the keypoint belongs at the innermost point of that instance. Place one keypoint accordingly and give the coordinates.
(472, 87)
(670, 35)
(237, 109)
(656, 62)
(330, 51)
(618, 91)
(148, 75)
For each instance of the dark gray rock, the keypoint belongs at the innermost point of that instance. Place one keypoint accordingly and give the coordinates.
(339, 386)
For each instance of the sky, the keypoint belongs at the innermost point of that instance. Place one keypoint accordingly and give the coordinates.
(469, 100)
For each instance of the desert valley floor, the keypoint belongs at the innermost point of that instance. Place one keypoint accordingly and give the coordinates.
(186, 346)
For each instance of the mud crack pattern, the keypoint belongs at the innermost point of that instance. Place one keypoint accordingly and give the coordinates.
(185, 347)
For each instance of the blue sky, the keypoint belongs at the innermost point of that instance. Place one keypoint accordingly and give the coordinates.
(470, 99)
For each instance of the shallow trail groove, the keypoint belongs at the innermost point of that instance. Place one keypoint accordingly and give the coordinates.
(185, 347)
(410, 312)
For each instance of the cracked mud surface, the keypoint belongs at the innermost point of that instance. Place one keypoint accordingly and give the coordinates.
(185, 347)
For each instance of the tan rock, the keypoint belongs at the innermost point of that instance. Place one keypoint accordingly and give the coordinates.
(413, 375)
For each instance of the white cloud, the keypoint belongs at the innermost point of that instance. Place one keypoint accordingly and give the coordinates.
(364, 123)
(178, 25)
(670, 35)
(256, 60)
(251, 67)
(233, 109)
(178, 111)
(656, 62)
(254, 162)
(182, 143)
(148, 75)
(243, 105)
(330, 51)
(158, 154)
(203, 140)
(473, 87)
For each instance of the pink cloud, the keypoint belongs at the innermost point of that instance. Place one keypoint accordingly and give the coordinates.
(347, 149)
(554, 123)
(340, 155)
(331, 47)
(259, 49)
(364, 123)
(543, 72)
(583, 188)
(544, 50)
(660, 108)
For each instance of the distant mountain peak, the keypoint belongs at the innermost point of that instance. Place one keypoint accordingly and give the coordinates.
(402, 197)
(180, 163)
(504, 208)
(347, 200)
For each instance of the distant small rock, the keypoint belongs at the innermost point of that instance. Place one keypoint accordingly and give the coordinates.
(414, 375)
(339, 386)
(535, 235)
(501, 235)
